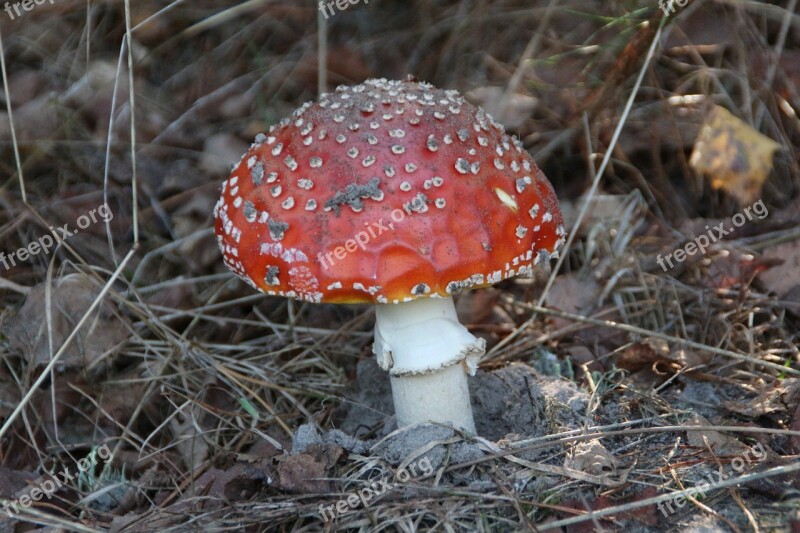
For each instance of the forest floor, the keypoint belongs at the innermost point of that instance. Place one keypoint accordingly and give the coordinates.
(643, 384)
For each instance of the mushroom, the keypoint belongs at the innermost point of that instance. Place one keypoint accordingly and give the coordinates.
(399, 194)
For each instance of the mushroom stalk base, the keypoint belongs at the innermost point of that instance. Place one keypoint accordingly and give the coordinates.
(428, 354)
(439, 397)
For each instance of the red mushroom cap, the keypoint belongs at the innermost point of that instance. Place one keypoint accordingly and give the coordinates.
(384, 192)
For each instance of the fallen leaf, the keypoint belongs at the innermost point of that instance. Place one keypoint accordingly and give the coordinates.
(734, 156)
(647, 515)
(308, 472)
(572, 294)
(591, 457)
(720, 443)
(189, 442)
(651, 354)
(781, 397)
(71, 297)
(782, 278)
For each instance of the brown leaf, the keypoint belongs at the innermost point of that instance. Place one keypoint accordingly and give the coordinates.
(592, 458)
(782, 396)
(572, 294)
(307, 472)
(189, 442)
(71, 296)
(648, 515)
(734, 156)
(782, 278)
(651, 354)
(720, 443)
(237, 483)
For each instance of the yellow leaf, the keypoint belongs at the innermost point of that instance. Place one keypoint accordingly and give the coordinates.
(734, 156)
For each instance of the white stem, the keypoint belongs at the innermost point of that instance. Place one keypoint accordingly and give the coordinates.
(428, 354)
(442, 396)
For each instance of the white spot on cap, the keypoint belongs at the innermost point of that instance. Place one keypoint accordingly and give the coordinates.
(249, 211)
(276, 150)
(421, 288)
(523, 183)
(405, 186)
(521, 231)
(311, 205)
(462, 165)
(315, 162)
(432, 146)
(440, 203)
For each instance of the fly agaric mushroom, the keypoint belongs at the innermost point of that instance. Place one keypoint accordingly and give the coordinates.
(399, 194)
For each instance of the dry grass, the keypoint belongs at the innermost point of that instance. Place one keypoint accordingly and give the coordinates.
(198, 385)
